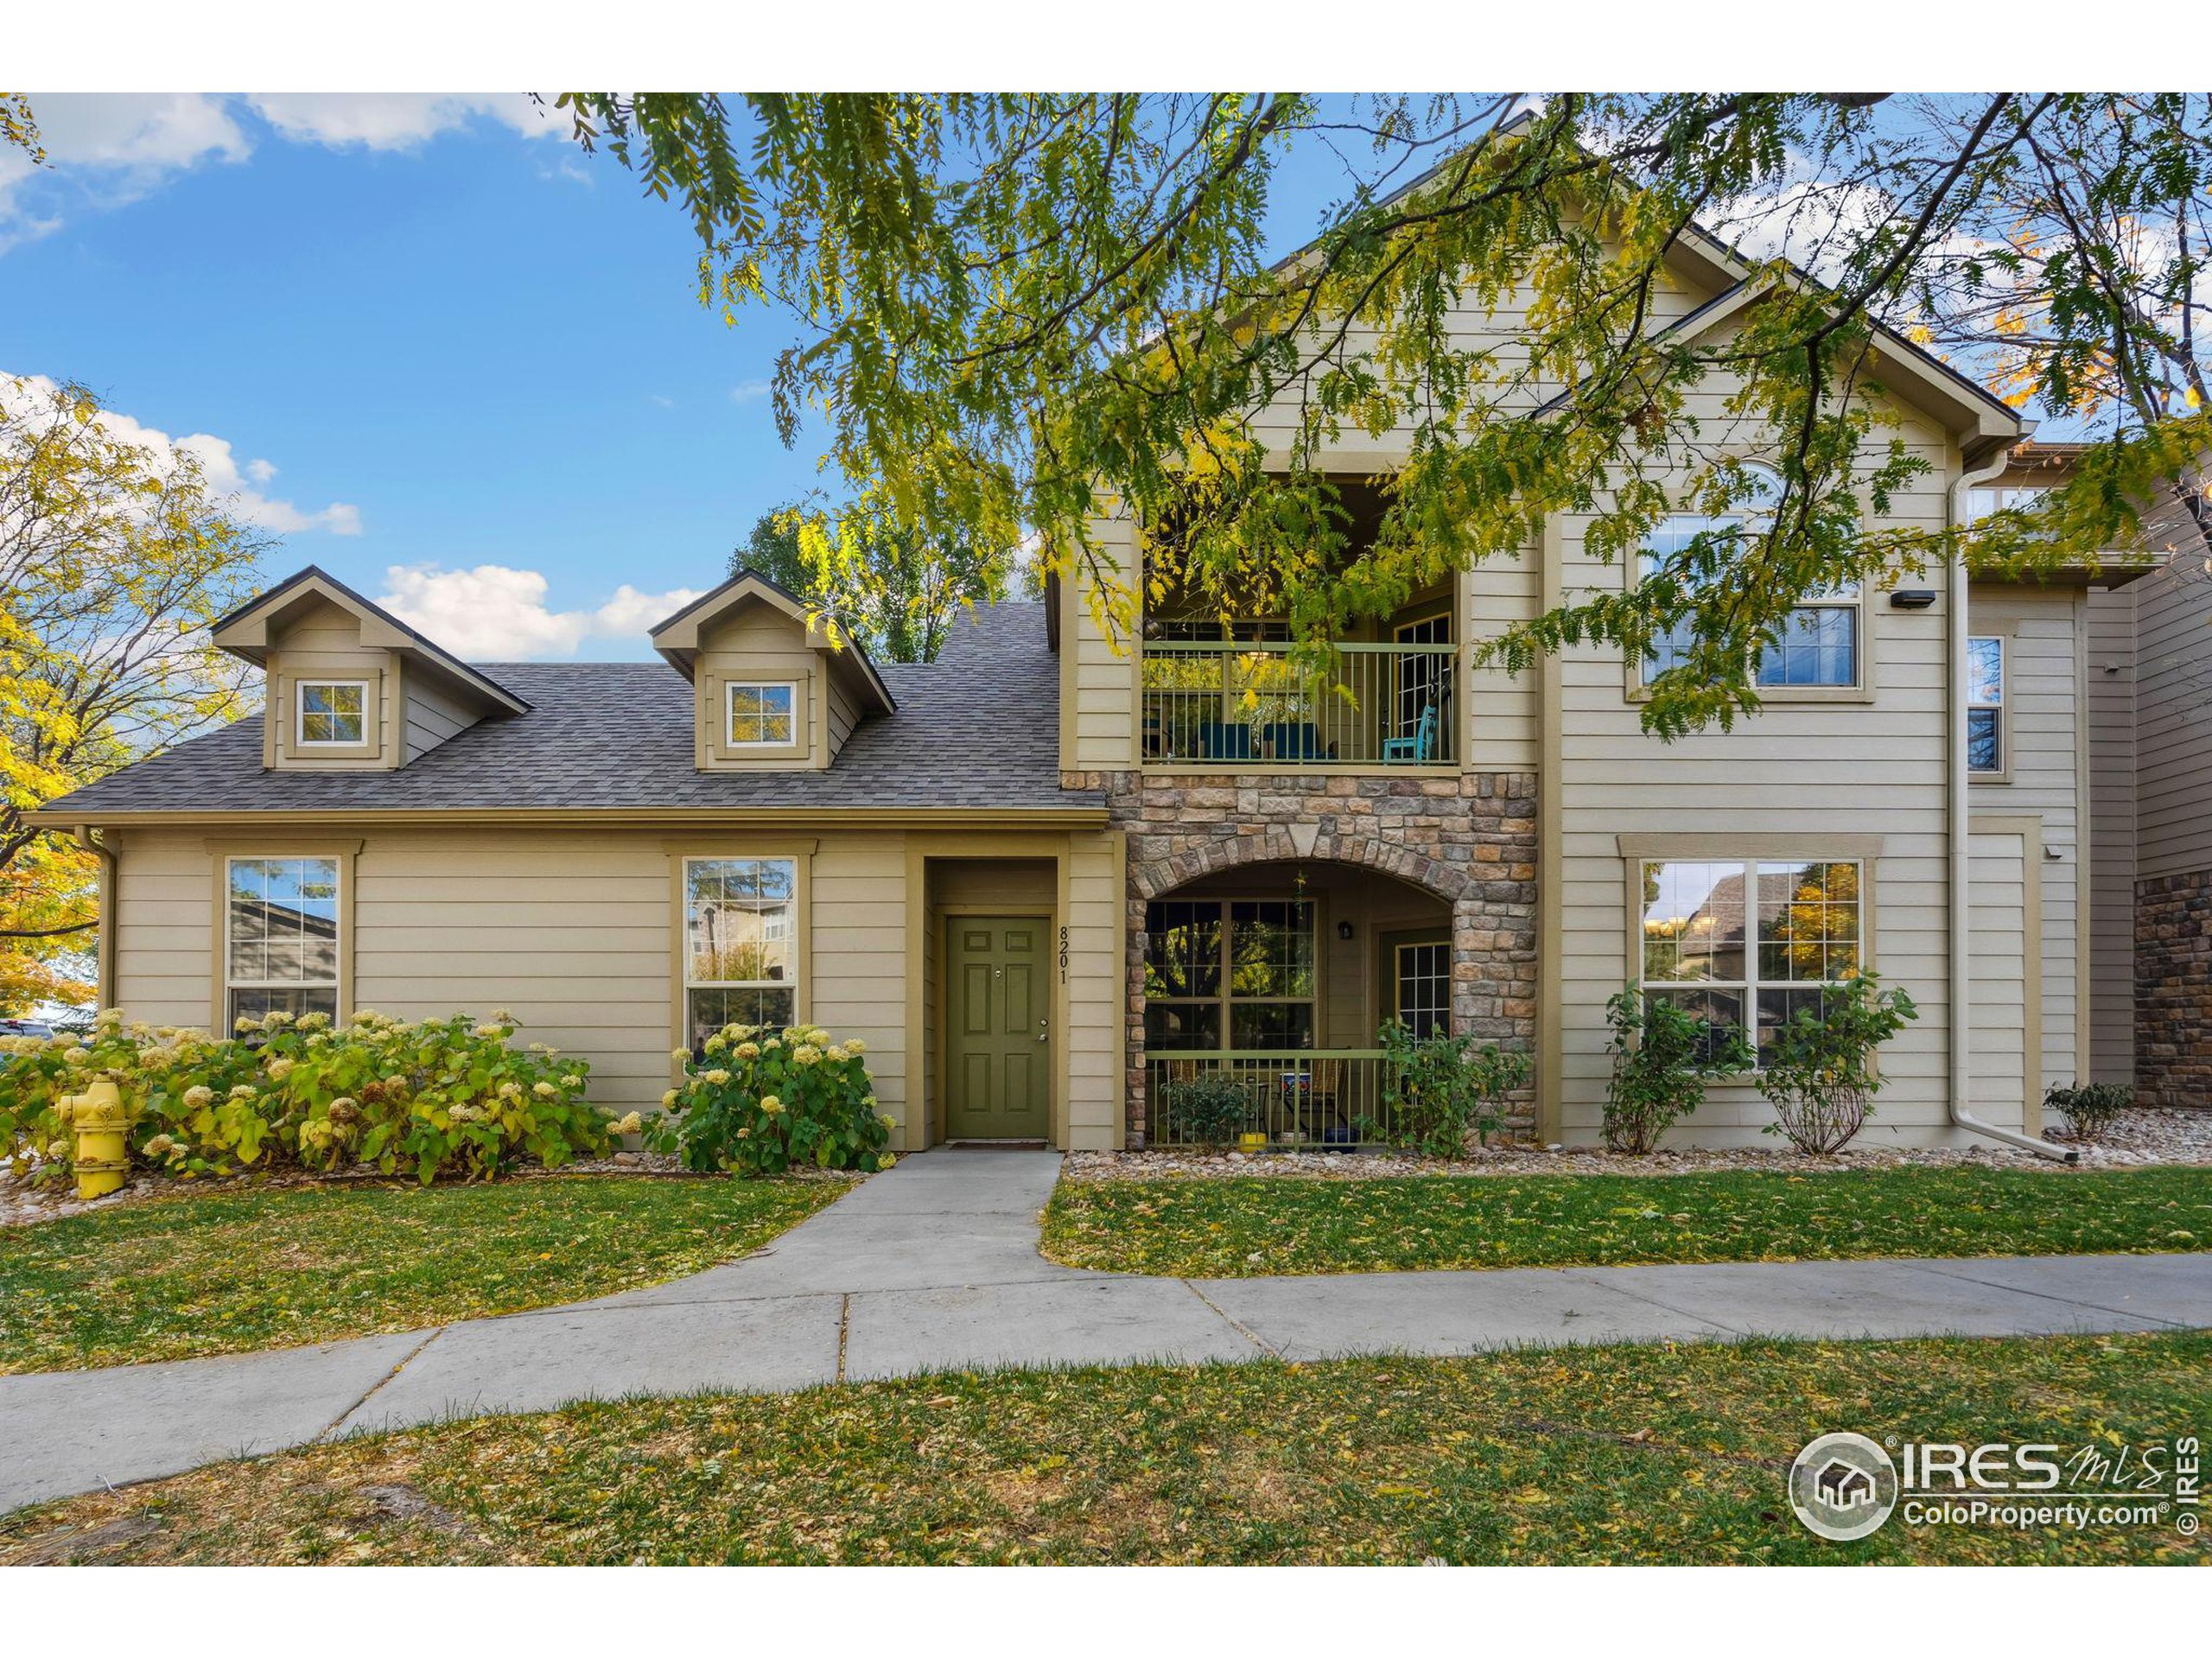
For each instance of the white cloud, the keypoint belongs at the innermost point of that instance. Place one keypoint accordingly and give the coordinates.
(751, 392)
(225, 474)
(118, 146)
(398, 120)
(492, 614)
(111, 149)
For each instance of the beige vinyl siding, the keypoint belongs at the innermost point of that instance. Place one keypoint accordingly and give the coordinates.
(2173, 692)
(757, 644)
(2043, 730)
(435, 714)
(1098, 679)
(844, 711)
(1999, 879)
(2112, 834)
(1093, 912)
(1502, 714)
(164, 924)
(323, 642)
(569, 930)
(856, 974)
(1805, 772)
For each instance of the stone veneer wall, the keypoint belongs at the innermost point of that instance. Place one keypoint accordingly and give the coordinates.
(1470, 840)
(2173, 991)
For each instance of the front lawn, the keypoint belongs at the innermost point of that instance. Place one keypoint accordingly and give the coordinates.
(218, 1273)
(1574, 1455)
(1234, 1227)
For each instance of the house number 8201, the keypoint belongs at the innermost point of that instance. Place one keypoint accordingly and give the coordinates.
(1064, 956)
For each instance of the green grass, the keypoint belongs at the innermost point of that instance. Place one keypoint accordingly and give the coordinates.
(176, 1277)
(1570, 1455)
(1238, 1227)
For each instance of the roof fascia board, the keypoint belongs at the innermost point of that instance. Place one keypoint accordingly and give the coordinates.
(718, 816)
(244, 631)
(676, 638)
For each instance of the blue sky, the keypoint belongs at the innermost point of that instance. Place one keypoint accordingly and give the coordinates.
(483, 342)
(458, 341)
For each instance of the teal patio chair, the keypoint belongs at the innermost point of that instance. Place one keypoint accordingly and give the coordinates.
(1421, 748)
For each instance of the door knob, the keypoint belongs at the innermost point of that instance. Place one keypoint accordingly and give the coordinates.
(1040, 1030)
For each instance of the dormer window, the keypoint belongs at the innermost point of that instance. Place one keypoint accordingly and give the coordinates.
(762, 715)
(334, 714)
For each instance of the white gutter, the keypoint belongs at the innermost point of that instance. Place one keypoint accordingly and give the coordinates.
(1957, 783)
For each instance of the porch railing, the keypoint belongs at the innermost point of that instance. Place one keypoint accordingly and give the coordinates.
(1248, 703)
(1307, 1098)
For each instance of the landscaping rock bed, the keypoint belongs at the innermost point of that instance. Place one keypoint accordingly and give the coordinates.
(2137, 1137)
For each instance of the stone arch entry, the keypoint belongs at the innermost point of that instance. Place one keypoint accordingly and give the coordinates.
(1484, 871)
(1289, 844)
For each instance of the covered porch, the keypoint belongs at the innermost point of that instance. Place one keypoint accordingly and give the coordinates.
(1280, 974)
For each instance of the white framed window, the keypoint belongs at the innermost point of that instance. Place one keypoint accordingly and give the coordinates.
(1985, 705)
(762, 714)
(332, 714)
(1819, 643)
(280, 937)
(1746, 943)
(740, 944)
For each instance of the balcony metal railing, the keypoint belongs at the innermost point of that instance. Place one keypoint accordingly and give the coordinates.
(1308, 1098)
(1245, 703)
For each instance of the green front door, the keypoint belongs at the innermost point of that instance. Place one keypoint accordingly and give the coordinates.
(997, 1020)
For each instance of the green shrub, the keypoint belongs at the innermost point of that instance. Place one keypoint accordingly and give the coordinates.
(1210, 1109)
(2089, 1107)
(1818, 1070)
(1664, 1055)
(1437, 1091)
(429, 1098)
(760, 1101)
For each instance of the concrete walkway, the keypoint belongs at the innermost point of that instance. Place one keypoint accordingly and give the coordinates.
(934, 1265)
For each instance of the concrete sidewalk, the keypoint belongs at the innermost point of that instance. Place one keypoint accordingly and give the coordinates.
(934, 1265)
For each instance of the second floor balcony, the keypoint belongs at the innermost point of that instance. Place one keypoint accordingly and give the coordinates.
(1249, 703)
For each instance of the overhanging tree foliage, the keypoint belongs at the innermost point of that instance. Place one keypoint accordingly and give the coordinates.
(113, 562)
(1017, 313)
(874, 579)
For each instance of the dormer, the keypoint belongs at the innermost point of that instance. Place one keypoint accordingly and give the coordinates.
(350, 687)
(773, 692)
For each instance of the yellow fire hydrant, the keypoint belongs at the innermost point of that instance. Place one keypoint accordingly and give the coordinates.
(102, 1160)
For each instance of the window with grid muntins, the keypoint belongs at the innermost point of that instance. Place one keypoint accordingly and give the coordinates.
(1745, 943)
(1229, 974)
(280, 937)
(333, 712)
(740, 944)
(1818, 644)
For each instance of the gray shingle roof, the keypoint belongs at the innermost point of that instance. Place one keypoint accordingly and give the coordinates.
(978, 727)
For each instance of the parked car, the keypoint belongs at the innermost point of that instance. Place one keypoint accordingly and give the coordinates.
(11, 1027)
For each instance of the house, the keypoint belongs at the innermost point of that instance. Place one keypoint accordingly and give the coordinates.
(1061, 870)
(2148, 675)
(1845, 1485)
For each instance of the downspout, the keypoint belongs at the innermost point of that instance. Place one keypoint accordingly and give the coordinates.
(104, 942)
(1960, 845)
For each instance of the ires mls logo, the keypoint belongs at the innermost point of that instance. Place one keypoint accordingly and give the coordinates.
(1843, 1487)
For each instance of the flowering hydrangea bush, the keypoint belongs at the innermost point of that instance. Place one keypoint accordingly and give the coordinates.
(759, 1101)
(429, 1098)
